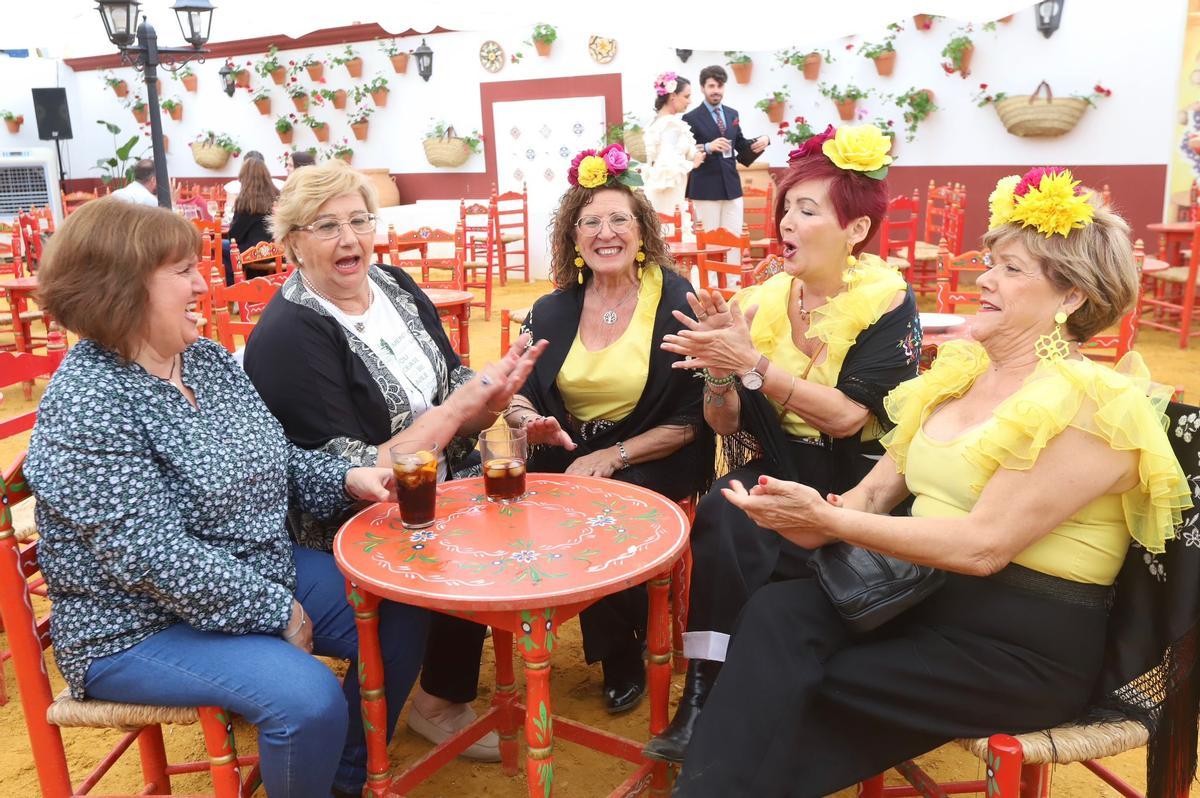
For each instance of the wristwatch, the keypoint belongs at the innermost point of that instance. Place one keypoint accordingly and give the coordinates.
(752, 380)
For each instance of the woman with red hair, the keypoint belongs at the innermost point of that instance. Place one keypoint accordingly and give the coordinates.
(795, 371)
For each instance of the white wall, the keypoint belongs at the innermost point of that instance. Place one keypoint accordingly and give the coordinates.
(1109, 41)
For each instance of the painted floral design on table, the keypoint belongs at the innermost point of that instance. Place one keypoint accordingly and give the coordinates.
(563, 531)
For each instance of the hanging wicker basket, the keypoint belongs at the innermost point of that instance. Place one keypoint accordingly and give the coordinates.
(1037, 116)
(209, 156)
(635, 145)
(447, 151)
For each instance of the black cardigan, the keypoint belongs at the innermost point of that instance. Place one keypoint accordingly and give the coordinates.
(671, 396)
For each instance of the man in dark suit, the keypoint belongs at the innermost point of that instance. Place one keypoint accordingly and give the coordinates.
(714, 186)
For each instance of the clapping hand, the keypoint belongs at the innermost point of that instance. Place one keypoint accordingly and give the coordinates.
(718, 339)
(793, 510)
(495, 383)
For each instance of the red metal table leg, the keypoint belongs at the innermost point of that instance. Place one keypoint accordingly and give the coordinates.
(536, 642)
(370, 685)
(506, 699)
(658, 634)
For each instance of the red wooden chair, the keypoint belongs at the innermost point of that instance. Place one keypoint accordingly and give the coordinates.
(949, 294)
(265, 257)
(76, 200)
(898, 243)
(672, 226)
(758, 213)
(480, 250)
(450, 270)
(1171, 303)
(510, 218)
(944, 206)
(12, 260)
(715, 272)
(507, 319)
(1112, 346)
(46, 715)
(31, 240)
(258, 291)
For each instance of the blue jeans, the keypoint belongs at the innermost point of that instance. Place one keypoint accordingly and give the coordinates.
(293, 699)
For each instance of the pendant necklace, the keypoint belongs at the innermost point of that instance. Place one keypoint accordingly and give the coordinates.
(610, 315)
(359, 326)
(804, 314)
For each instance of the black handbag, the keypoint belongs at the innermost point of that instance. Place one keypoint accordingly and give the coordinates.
(867, 588)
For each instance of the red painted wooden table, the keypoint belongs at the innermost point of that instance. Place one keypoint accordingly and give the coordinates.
(524, 569)
(456, 304)
(686, 252)
(1173, 238)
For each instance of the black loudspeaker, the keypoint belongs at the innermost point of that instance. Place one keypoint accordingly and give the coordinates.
(53, 116)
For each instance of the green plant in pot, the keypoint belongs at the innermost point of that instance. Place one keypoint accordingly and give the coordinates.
(796, 132)
(173, 107)
(270, 67)
(916, 105)
(360, 119)
(351, 60)
(958, 52)
(118, 167)
(773, 104)
(845, 99)
(543, 36)
(741, 64)
(398, 56)
(285, 127)
(883, 53)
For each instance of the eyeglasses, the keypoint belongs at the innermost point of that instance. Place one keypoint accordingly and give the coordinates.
(592, 225)
(360, 223)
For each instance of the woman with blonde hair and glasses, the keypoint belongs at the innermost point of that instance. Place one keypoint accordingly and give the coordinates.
(605, 382)
(352, 359)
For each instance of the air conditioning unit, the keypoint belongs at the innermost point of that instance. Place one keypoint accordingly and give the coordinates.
(27, 180)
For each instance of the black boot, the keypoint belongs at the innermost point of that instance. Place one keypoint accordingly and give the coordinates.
(672, 744)
(624, 679)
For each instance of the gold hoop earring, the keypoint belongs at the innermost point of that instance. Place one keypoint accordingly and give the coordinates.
(1053, 347)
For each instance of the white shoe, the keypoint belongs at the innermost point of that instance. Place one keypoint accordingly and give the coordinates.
(486, 749)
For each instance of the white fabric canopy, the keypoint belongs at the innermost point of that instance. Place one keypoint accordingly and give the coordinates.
(72, 28)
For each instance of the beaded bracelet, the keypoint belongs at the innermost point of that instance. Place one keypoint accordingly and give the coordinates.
(711, 380)
(624, 455)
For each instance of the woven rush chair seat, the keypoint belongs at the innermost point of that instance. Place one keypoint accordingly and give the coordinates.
(68, 712)
(925, 251)
(897, 262)
(518, 316)
(508, 238)
(1176, 274)
(1071, 742)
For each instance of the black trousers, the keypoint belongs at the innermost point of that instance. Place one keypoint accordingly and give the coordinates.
(732, 556)
(804, 708)
(453, 650)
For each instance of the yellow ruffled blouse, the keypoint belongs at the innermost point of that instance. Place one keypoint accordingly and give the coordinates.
(607, 383)
(838, 323)
(1120, 405)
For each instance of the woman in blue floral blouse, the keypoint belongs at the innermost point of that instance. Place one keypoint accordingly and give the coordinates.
(162, 484)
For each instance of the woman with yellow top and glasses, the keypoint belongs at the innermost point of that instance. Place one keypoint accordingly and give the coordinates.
(1032, 468)
(604, 380)
(795, 372)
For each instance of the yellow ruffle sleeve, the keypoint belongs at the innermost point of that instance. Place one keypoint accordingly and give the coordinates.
(1121, 405)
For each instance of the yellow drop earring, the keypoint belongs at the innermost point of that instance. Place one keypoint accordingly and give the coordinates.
(579, 264)
(1053, 347)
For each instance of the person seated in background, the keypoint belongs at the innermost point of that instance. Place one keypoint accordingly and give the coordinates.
(1033, 470)
(234, 187)
(298, 158)
(142, 188)
(352, 359)
(604, 397)
(253, 205)
(163, 483)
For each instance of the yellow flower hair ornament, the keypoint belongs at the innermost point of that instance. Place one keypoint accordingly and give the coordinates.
(1047, 199)
(862, 148)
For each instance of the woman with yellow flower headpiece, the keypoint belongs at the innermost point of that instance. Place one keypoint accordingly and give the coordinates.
(1032, 471)
(629, 415)
(795, 371)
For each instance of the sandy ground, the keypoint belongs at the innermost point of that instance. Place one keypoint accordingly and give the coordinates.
(575, 686)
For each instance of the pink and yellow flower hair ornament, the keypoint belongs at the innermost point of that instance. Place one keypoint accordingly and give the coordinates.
(1047, 199)
(608, 167)
(666, 83)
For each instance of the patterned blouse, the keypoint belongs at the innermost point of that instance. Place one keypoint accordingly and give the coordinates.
(152, 512)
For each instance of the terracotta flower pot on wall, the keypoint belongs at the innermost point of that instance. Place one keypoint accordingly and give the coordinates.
(176, 112)
(884, 64)
(348, 157)
(241, 78)
(846, 109)
(742, 72)
(339, 99)
(775, 112)
(360, 130)
(923, 21)
(812, 66)
(301, 102)
(286, 136)
(279, 76)
(14, 124)
(189, 82)
(321, 132)
(400, 62)
(140, 115)
(263, 106)
(354, 67)
(543, 48)
(965, 68)
(166, 143)
(380, 97)
(121, 89)
(316, 71)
